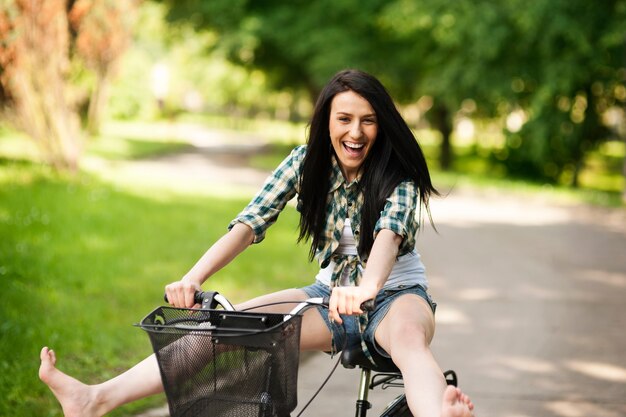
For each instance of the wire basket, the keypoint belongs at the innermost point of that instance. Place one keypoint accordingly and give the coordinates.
(226, 363)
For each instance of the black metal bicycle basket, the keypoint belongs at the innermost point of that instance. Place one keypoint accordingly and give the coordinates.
(221, 363)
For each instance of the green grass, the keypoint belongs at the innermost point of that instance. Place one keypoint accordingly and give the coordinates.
(82, 260)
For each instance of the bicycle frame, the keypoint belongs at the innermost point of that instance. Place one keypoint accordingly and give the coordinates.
(384, 374)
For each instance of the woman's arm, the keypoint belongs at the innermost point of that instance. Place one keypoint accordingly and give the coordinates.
(347, 300)
(181, 293)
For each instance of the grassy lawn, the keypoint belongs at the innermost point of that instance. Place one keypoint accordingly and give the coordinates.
(82, 260)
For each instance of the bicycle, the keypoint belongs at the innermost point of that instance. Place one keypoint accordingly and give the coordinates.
(221, 362)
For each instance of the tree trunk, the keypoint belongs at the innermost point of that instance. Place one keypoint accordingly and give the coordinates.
(623, 130)
(624, 170)
(36, 79)
(97, 103)
(42, 111)
(443, 123)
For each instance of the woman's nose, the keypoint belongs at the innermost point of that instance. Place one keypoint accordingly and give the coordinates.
(355, 131)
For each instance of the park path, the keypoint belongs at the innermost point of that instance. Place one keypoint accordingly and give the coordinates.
(531, 294)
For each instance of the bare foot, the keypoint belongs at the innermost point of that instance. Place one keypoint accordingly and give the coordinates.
(456, 404)
(76, 398)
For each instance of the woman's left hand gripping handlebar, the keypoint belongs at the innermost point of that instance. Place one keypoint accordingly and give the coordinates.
(348, 300)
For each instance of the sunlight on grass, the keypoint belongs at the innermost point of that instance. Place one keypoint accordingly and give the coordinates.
(17, 146)
(156, 185)
(117, 147)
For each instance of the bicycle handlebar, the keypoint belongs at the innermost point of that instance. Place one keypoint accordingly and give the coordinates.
(210, 300)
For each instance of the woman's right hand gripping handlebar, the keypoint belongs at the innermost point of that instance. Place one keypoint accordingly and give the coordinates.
(181, 293)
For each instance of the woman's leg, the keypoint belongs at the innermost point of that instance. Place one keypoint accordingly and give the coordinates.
(81, 400)
(144, 379)
(315, 334)
(405, 333)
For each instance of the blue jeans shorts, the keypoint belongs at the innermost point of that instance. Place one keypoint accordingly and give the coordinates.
(350, 324)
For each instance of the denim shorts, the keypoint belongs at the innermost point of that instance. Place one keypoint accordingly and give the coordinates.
(350, 324)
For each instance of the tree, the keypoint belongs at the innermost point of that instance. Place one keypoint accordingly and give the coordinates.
(452, 52)
(560, 62)
(103, 32)
(34, 57)
(569, 67)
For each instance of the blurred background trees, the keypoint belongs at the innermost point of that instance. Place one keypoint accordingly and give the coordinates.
(532, 89)
(34, 54)
(41, 44)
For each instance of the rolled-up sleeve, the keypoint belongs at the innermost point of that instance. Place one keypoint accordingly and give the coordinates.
(278, 189)
(399, 214)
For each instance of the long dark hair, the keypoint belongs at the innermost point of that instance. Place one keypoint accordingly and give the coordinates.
(395, 156)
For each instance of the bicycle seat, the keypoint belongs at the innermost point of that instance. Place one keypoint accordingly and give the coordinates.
(353, 356)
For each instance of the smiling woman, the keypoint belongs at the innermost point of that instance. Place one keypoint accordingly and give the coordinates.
(360, 183)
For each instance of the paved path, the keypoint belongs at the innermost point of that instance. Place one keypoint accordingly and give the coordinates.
(532, 304)
(532, 308)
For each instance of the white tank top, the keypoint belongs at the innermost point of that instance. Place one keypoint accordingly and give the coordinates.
(408, 269)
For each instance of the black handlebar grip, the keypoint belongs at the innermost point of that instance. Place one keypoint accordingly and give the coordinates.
(369, 305)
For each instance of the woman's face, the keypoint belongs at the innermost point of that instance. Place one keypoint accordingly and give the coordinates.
(353, 129)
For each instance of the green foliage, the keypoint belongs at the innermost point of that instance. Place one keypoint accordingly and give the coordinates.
(561, 62)
(297, 44)
(81, 261)
(568, 78)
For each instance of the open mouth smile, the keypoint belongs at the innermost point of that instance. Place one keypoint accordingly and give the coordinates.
(354, 149)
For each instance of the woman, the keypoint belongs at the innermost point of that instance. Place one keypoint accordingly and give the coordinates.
(360, 183)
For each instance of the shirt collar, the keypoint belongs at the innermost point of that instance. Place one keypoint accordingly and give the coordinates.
(336, 177)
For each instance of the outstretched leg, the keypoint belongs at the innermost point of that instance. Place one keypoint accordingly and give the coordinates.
(81, 400)
(405, 333)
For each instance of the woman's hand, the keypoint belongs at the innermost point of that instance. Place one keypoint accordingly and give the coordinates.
(181, 293)
(348, 300)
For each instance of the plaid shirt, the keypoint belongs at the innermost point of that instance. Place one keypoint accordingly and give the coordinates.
(344, 201)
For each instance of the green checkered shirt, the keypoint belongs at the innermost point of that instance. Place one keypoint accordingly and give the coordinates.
(344, 201)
